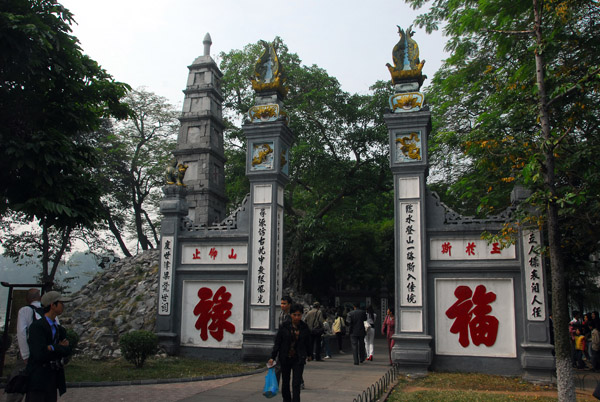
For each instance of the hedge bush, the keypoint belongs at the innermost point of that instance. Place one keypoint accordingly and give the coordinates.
(136, 346)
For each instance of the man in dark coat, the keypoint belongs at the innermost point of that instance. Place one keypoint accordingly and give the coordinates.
(356, 326)
(314, 319)
(292, 345)
(48, 345)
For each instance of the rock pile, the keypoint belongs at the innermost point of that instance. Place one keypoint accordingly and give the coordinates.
(120, 299)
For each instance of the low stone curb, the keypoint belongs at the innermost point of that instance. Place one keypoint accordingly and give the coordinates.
(86, 384)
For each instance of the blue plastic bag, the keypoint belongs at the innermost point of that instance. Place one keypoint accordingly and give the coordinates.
(271, 387)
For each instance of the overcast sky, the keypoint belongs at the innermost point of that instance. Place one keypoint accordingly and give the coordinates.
(150, 43)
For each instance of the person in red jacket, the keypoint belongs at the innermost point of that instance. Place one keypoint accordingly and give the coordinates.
(388, 328)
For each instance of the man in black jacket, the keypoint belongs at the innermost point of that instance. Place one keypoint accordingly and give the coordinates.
(292, 344)
(48, 345)
(356, 326)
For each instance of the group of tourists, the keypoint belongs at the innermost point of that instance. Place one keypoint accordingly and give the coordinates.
(584, 332)
(302, 339)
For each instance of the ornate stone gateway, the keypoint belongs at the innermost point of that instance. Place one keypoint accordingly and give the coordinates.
(462, 304)
(220, 279)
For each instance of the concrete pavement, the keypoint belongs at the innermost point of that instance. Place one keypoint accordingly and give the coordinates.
(331, 380)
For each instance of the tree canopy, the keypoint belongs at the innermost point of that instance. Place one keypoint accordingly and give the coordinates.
(52, 99)
(135, 153)
(340, 193)
(516, 103)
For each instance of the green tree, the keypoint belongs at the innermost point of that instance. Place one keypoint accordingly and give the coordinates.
(135, 154)
(52, 99)
(516, 102)
(340, 176)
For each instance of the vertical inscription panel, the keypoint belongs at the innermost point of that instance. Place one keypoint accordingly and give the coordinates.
(261, 256)
(411, 281)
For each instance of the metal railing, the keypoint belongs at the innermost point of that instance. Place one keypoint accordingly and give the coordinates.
(380, 387)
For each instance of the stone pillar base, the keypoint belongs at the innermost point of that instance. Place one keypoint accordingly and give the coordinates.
(412, 353)
(168, 340)
(257, 345)
(538, 363)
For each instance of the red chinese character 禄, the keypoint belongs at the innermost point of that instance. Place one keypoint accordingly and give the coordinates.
(471, 315)
(216, 311)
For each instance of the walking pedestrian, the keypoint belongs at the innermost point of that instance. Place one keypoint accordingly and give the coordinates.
(370, 335)
(339, 328)
(314, 320)
(356, 324)
(27, 315)
(388, 329)
(48, 345)
(292, 345)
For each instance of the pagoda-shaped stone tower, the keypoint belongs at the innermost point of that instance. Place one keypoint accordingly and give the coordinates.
(200, 140)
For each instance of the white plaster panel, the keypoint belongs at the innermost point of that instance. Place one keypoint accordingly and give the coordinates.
(215, 254)
(259, 318)
(262, 194)
(474, 313)
(410, 266)
(261, 257)
(411, 321)
(408, 187)
(220, 310)
(469, 248)
(535, 291)
(279, 254)
(280, 195)
(167, 271)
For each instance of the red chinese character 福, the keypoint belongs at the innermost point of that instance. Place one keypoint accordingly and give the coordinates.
(447, 248)
(216, 311)
(471, 315)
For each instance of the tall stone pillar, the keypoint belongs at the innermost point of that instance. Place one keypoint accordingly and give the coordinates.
(268, 142)
(200, 140)
(537, 359)
(409, 125)
(173, 207)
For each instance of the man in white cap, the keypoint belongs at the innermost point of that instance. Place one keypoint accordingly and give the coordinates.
(48, 345)
(27, 314)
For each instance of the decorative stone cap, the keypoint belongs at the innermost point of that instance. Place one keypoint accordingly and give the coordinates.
(268, 72)
(407, 67)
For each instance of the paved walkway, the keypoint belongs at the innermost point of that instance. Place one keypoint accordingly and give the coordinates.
(331, 380)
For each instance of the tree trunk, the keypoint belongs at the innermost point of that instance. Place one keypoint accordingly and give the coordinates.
(139, 228)
(117, 233)
(46, 281)
(560, 315)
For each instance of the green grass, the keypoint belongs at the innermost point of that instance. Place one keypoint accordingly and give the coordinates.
(84, 369)
(463, 396)
(466, 387)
